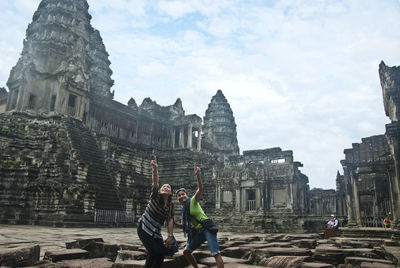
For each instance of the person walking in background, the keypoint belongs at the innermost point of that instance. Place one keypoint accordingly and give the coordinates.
(158, 210)
(193, 215)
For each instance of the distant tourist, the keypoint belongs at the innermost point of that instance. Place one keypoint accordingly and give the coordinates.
(386, 222)
(335, 222)
(203, 229)
(158, 210)
(330, 227)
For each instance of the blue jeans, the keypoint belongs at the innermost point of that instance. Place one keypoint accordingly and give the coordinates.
(156, 250)
(200, 237)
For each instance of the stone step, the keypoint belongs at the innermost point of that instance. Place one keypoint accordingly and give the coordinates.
(97, 173)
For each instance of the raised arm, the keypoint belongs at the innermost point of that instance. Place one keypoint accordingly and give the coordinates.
(154, 172)
(199, 190)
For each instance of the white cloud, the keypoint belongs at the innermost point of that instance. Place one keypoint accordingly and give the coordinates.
(175, 9)
(26, 7)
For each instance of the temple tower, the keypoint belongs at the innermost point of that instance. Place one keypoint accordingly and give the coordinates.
(219, 129)
(390, 82)
(62, 64)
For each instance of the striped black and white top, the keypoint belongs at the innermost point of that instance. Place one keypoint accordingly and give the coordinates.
(155, 214)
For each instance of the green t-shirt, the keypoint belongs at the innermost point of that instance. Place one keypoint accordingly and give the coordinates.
(197, 212)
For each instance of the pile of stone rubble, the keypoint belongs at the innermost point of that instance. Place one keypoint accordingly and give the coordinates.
(266, 250)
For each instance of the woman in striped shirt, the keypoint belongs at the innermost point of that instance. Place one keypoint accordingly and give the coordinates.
(158, 210)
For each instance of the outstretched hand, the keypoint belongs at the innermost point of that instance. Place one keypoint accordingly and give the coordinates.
(196, 170)
(153, 163)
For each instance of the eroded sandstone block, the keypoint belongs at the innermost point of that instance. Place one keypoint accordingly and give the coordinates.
(357, 261)
(82, 243)
(130, 255)
(82, 263)
(20, 256)
(283, 261)
(65, 254)
(129, 264)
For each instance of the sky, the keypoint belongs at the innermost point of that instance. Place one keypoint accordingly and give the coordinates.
(300, 75)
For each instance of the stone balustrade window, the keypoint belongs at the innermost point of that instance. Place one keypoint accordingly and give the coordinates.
(278, 161)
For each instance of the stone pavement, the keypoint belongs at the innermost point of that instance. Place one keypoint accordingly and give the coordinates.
(120, 247)
(52, 238)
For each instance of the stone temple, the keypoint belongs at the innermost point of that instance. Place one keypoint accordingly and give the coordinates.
(72, 155)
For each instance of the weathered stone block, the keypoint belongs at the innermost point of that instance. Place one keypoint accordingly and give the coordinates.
(283, 261)
(82, 243)
(269, 252)
(129, 264)
(20, 256)
(330, 254)
(235, 252)
(211, 260)
(316, 265)
(124, 255)
(101, 249)
(307, 243)
(89, 263)
(356, 261)
(66, 254)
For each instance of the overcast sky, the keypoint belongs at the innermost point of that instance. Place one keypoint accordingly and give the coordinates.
(301, 75)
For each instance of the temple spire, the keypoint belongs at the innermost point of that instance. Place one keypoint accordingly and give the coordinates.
(63, 61)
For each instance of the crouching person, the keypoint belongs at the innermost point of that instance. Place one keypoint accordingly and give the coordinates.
(194, 226)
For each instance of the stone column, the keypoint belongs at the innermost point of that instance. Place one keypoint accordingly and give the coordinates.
(356, 204)
(190, 135)
(349, 194)
(173, 137)
(181, 138)
(393, 134)
(237, 199)
(218, 196)
(199, 141)
(258, 198)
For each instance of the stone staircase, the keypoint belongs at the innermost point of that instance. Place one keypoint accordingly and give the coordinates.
(90, 156)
